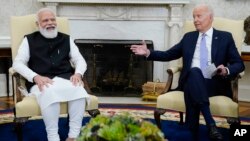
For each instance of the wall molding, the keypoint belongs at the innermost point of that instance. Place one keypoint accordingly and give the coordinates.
(118, 1)
(4, 41)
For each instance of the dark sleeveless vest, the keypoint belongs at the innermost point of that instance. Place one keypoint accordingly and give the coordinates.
(49, 57)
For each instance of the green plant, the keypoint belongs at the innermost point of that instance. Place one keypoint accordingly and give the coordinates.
(120, 128)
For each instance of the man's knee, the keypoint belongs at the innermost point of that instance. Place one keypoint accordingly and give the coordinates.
(195, 70)
(195, 73)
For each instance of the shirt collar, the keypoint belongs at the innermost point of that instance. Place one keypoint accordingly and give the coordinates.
(209, 33)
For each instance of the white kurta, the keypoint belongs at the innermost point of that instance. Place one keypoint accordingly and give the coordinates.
(62, 89)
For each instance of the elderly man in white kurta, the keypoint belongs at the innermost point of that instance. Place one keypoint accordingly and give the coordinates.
(45, 59)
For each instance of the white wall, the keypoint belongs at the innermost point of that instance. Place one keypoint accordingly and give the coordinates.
(3, 86)
(234, 9)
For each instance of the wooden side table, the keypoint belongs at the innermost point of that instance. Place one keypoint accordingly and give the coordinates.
(245, 56)
(245, 53)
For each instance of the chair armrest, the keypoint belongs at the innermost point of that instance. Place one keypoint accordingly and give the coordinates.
(171, 71)
(241, 74)
(86, 85)
(234, 86)
(17, 82)
(12, 71)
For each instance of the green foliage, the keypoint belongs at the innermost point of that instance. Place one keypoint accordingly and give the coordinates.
(120, 128)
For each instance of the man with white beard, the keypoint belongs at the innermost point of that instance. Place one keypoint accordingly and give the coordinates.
(44, 58)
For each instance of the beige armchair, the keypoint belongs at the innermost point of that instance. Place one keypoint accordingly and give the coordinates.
(219, 105)
(26, 107)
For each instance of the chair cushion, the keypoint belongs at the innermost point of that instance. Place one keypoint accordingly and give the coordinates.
(223, 106)
(171, 100)
(29, 106)
(219, 105)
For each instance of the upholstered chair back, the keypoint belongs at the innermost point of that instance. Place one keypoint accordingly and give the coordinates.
(224, 24)
(23, 25)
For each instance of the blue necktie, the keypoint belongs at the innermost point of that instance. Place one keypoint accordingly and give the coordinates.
(203, 53)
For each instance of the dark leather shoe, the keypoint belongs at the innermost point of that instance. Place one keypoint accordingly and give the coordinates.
(214, 134)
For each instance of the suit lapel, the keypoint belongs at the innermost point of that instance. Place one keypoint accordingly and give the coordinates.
(215, 45)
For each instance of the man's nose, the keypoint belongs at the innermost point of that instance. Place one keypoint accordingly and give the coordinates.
(50, 21)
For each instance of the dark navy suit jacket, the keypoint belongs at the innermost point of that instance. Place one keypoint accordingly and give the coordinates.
(223, 52)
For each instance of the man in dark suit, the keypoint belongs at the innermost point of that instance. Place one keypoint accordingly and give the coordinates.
(201, 50)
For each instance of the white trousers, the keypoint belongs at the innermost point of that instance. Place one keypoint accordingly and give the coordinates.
(76, 109)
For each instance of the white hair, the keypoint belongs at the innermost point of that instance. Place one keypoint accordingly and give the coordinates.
(43, 10)
(209, 8)
(211, 11)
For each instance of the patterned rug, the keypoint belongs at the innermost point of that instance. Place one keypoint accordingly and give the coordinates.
(169, 115)
(137, 110)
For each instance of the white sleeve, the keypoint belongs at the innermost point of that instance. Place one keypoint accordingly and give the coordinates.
(77, 58)
(21, 60)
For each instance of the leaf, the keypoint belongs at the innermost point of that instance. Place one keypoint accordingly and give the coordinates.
(120, 128)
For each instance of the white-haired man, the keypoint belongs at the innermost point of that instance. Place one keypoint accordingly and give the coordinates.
(200, 50)
(44, 58)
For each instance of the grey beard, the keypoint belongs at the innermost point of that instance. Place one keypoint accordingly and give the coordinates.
(48, 34)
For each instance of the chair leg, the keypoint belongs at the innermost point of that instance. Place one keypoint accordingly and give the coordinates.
(157, 115)
(19, 122)
(93, 113)
(181, 118)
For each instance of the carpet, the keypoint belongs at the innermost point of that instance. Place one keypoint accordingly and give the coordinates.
(34, 129)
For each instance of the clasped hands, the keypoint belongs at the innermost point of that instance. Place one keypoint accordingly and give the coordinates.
(222, 70)
(42, 81)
